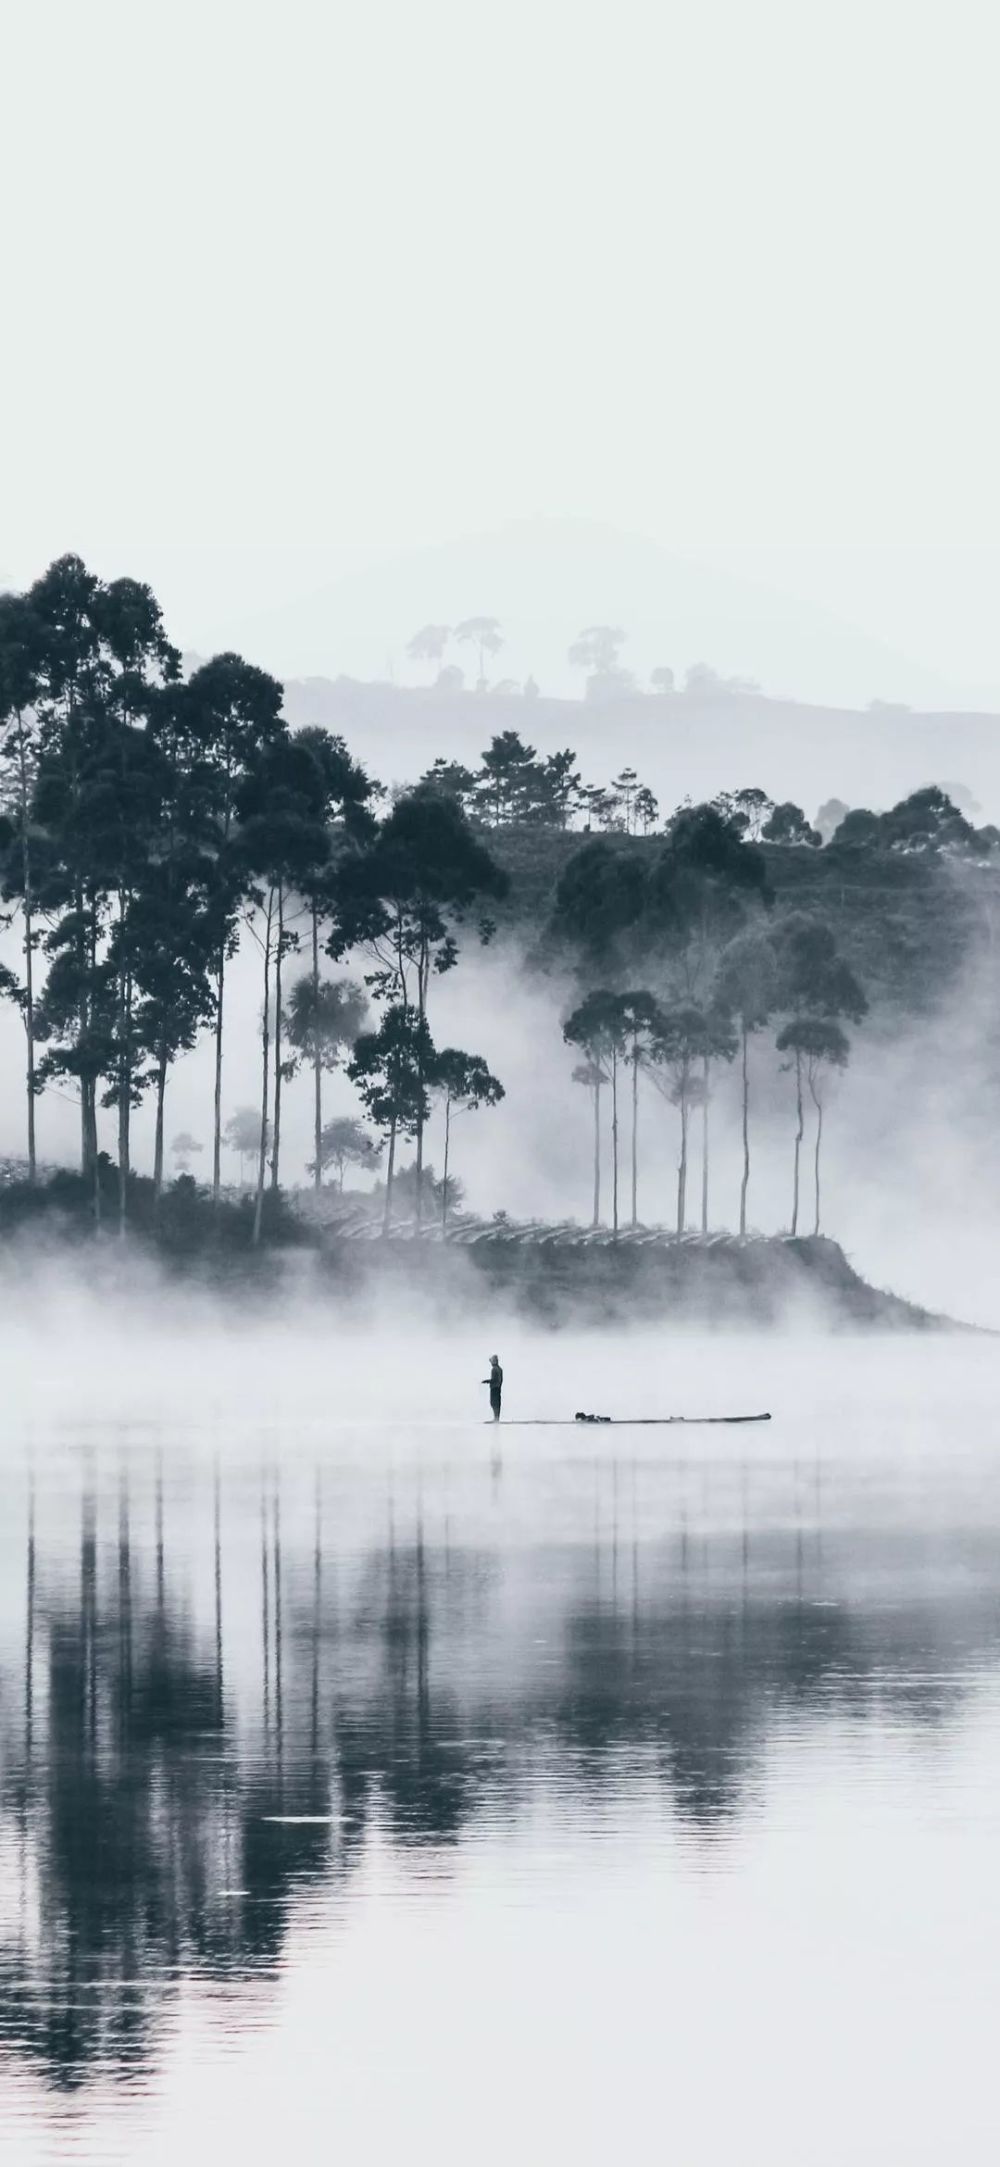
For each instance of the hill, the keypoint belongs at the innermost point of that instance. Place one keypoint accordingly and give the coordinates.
(546, 578)
(683, 745)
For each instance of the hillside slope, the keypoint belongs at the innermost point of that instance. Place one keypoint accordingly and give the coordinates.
(682, 745)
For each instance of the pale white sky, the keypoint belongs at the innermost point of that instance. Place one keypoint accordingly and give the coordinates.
(339, 279)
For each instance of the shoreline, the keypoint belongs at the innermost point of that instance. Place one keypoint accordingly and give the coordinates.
(552, 1274)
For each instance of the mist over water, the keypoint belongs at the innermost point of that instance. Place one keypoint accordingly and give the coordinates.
(376, 1779)
(380, 1783)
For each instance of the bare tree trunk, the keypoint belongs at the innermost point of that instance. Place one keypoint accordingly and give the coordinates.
(635, 1132)
(29, 951)
(389, 1172)
(422, 969)
(704, 1145)
(419, 1175)
(317, 1061)
(818, 1103)
(682, 1168)
(745, 1183)
(123, 1166)
(447, 1147)
(86, 1153)
(276, 1149)
(95, 1159)
(217, 1117)
(597, 1154)
(799, 1133)
(124, 1008)
(258, 1213)
(161, 1091)
(88, 1087)
(124, 1104)
(614, 1140)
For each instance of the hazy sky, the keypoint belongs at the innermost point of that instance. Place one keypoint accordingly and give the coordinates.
(345, 278)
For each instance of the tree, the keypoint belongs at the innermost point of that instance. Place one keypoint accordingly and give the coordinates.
(323, 1018)
(444, 1196)
(719, 1045)
(700, 888)
(859, 830)
(559, 788)
(638, 1019)
(173, 910)
(596, 650)
(747, 985)
(343, 1143)
(701, 681)
(829, 817)
(428, 645)
(453, 780)
(601, 1027)
(242, 1135)
(484, 634)
(128, 796)
(662, 679)
(602, 805)
(235, 715)
(749, 810)
(184, 1148)
(788, 824)
(816, 1044)
(591, 1075)
(625, 787)
(928, 821)
(100, 782)
(337, 792)
(283, 843)
(20, 656)
(508, 770)
(683, 1042)
(463, 1083)
(287, 844)
(600, 898)
(815, 984)
(390, 1069)
(646, 809)
(401, 902)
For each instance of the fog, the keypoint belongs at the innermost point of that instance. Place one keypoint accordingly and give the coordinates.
(379, 1781)
(906, 1180)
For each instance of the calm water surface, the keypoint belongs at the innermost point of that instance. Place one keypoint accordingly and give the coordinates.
(374, 1786)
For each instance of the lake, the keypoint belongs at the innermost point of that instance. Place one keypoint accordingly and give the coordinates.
(376, 1784)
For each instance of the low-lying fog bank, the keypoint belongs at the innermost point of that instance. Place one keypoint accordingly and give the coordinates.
(157, 1367)
(555, 1277)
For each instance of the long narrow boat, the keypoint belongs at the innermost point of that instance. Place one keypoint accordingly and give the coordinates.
(622, 1422)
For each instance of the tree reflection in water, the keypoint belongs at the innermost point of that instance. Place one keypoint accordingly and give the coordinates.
(169, 1793)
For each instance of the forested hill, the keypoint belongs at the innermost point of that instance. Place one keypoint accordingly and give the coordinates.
(906, 922)
(684, 744)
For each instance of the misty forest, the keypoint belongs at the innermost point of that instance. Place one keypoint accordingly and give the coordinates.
(160, 818)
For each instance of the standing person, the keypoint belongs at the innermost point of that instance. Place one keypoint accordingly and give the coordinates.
(495, 1382)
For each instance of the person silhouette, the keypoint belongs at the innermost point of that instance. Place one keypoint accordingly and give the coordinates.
(495, 1382)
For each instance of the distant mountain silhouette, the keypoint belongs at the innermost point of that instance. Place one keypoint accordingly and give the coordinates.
(546, 579)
